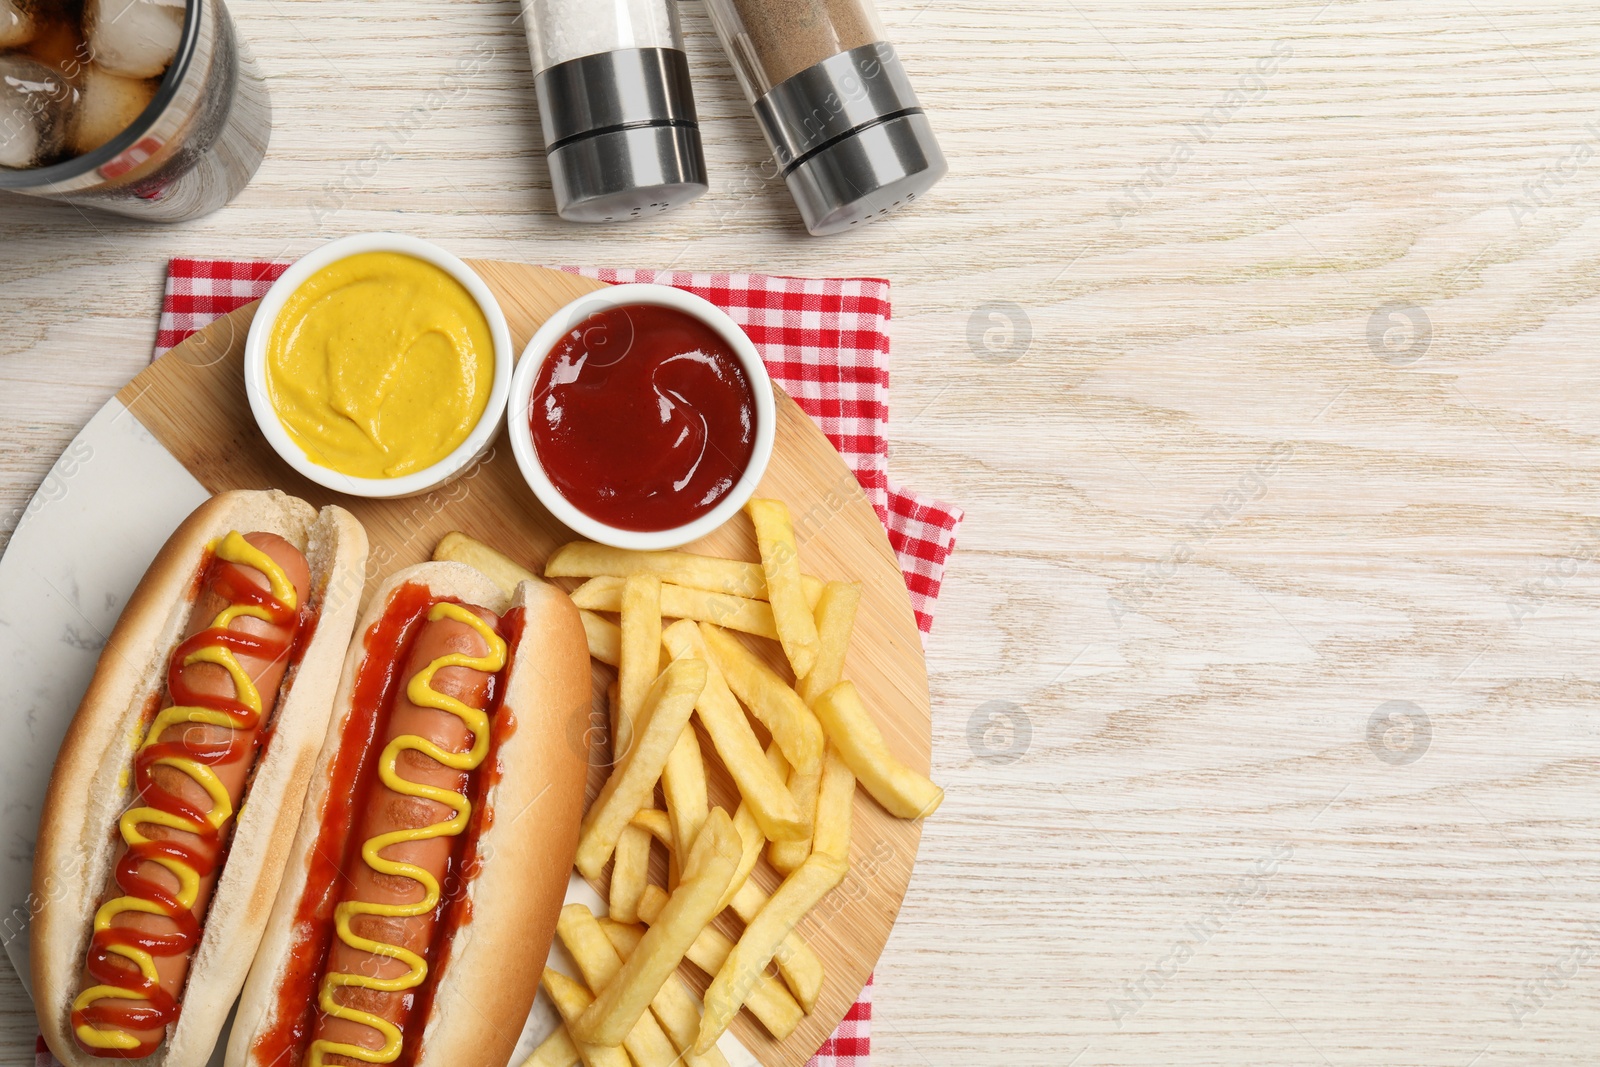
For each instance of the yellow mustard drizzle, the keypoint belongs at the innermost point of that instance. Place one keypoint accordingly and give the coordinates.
(421, 692)
(235, 549)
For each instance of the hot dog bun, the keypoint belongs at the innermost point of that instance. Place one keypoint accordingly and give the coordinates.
(92, 782)
(487, 978)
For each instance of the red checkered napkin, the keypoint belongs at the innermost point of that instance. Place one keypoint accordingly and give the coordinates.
(825, 341)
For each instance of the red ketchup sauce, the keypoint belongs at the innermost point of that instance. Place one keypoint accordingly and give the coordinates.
(353, 774)
(208, 850)
(642, 417)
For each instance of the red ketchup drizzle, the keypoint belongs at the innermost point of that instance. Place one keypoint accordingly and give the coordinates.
(205, 852)
(352, 775)
(642, 417)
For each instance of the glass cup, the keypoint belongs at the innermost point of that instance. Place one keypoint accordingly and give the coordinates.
(192, 150)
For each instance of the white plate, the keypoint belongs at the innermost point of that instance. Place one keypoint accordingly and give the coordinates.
(83, 543)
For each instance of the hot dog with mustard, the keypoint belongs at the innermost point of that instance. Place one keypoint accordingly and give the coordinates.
(433, 853)
(178, 787)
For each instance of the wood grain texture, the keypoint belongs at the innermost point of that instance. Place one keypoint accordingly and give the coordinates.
(193, 400)
(1428, 540)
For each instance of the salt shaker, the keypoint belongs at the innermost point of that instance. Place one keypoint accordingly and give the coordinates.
(835, 105)
(620, 129)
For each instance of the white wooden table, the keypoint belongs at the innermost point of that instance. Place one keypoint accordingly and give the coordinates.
(1259, 341)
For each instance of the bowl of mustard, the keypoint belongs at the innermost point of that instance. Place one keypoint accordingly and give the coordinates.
(379, 365)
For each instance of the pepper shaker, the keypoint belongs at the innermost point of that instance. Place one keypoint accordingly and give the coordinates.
(835, 105)
(620, 130)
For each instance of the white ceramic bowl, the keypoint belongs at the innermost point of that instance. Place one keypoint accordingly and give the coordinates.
(521, 433)
(255, 367)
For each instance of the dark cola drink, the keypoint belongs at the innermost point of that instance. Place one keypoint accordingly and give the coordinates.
(75, 73)
(141, 107)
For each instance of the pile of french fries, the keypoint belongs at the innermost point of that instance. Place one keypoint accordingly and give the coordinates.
(796, 793)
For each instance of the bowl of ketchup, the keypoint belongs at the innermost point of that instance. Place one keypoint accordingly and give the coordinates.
(641, 416)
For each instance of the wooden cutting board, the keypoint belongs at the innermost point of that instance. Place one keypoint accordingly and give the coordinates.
(193, 401)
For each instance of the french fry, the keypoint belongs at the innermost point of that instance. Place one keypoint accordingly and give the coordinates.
(578, 928)
(804, 781)
(641, 651)
(835, 797)
(599, 594)
(630, 873)
(557, 1050)
(656, 822)
(779, 765)
(690, 909)
(666, 710)
(761, 940)
(605, 638)
(571, 1001)
(836, 617)
(659, 826)
(684, 602)
(779, 708)
(723, 609)
(797, 961)
(457, 547)
(674, 1007)
(599, 964)
(683, 784)
(762, 788)
(768, 1001)
(780, 562)
(584, 559)
(902, 791)
(625, 937)
(749, 830)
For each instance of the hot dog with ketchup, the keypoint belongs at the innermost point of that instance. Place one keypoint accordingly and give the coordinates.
(153, 876)
(433, 853)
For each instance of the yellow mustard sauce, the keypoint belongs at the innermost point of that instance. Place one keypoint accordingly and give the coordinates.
(379, 365)
(421, 692)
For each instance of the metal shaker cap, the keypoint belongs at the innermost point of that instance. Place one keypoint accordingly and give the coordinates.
(621, 134)
(852, 138)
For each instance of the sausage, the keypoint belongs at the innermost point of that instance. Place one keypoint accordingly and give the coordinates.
(230, 754)
(385, 810)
